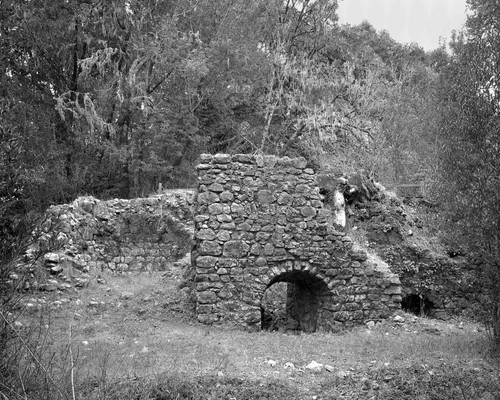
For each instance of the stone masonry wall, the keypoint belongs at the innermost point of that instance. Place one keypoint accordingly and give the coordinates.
(260, 220)
(118, 235)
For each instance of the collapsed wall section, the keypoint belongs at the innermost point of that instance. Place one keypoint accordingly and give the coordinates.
(260, 220)
(119, 235)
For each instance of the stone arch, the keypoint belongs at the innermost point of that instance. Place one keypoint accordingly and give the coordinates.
(307, 293)
(289, 267)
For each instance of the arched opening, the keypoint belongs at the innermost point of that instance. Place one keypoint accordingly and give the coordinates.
(292, 302)
(417, 304)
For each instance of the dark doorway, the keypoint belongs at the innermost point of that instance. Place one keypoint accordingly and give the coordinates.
(417, 304)
(291, 302)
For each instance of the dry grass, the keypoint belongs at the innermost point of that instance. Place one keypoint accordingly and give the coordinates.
(135, 334)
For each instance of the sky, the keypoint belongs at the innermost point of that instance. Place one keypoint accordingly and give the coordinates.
(407, 21)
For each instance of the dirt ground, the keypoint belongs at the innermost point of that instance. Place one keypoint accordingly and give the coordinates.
(139, 325)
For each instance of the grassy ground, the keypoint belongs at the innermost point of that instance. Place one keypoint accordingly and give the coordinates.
(135, 337)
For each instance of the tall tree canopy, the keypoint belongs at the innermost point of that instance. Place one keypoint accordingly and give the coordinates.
(470, 141)
(121, 95)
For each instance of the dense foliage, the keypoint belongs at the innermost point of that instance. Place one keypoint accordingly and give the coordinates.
(470, 144)
(113, 98)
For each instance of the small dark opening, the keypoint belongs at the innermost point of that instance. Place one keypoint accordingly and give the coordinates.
(326, 195)
(417, 304)
(454, 253)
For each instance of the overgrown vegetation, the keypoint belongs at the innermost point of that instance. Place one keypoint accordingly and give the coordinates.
(144, 345)
(112, 99)
(468, 179)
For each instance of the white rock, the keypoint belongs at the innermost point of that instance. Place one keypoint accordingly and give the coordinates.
(314, 366)
(289, 365)
(85, 343)
(271, 363)
(399, 319)
(51, 258)
(329, 368)
(81, 282)
(370, 324)
(339, 217)
(62, 237)
(343, 374)
(64, 286)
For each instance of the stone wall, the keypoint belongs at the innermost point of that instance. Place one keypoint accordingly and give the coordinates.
(118, 235)
(435, 282)
(260, 220)
(451, 286)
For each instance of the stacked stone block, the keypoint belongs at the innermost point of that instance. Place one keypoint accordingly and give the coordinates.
(260, 220)
(119, 235)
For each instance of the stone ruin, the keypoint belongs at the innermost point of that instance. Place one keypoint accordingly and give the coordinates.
(257, 221)
(260, 220)
(89, 236)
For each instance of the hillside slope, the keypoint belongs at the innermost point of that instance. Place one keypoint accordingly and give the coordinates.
(402, 231)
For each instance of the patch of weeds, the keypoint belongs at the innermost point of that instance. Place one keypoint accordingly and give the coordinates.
(175, 387)
(441, 382)
(35, 369)
(215, 388)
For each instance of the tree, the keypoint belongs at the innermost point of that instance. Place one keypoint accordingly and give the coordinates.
(409, 125)
(383, 105)
(470, 151)
(136, 88)
(40, 56)
(142, 87)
